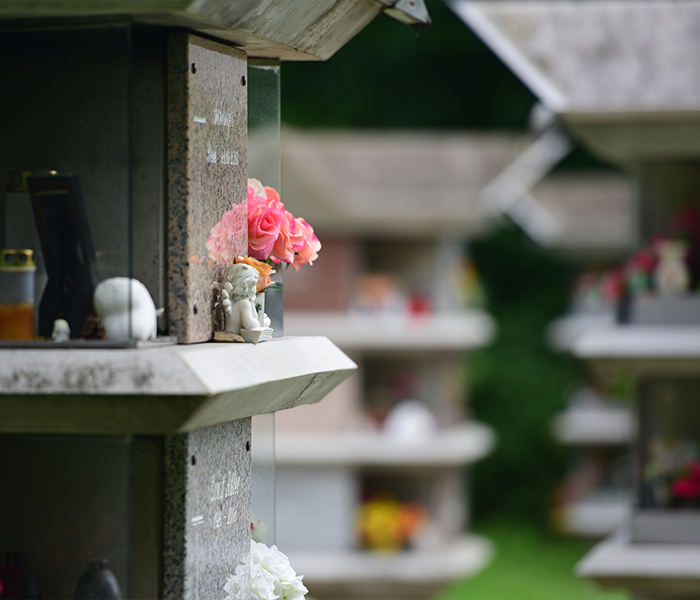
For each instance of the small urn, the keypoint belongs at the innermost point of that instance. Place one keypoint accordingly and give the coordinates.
(98, 583)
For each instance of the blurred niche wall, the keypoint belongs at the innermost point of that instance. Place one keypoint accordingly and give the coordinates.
(443, 81)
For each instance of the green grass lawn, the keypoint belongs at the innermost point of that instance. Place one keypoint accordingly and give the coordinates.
(530, 565)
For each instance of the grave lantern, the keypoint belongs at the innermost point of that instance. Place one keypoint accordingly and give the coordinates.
(631, 96)
(124, 138)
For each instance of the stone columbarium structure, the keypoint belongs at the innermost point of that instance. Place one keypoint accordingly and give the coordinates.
(622, 77)
(125, 127)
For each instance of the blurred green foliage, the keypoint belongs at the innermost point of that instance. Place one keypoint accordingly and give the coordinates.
(518, 383)
(390, 75)
(529, 565)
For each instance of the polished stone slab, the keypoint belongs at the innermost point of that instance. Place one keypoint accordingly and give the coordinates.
(207, 173)
(207, 510)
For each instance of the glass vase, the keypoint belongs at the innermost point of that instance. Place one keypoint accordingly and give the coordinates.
(274, 299)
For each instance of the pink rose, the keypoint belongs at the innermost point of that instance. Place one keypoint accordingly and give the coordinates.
(309, 247)
(274, 233)
(225, 235)
(265, 218)
(283, 249)
(271, 194)
(294, 238)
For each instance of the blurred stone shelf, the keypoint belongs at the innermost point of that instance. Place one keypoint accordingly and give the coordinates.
(455, 446)
(560, 333)
(648, 349)
(590, 426)
(629, 95)
(409, 574)
(598, 515)
(325, 467)
(379, 332)
(648, 570)
(162, 390)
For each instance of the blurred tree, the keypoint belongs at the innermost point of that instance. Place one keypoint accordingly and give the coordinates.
(392, 76)
(518, 383)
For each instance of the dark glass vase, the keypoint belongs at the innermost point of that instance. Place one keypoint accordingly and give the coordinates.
(98, 583)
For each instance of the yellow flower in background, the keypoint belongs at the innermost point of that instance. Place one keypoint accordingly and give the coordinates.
(387, 525)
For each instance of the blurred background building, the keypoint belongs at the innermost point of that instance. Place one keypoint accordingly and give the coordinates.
(448, 156)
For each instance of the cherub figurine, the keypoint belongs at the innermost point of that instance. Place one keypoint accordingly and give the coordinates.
(238, 301)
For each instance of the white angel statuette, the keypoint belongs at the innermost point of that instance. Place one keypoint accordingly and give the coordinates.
(125, 312)
(61, 331)
(238, 301)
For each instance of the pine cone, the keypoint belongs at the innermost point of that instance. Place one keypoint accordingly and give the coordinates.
(93, 328)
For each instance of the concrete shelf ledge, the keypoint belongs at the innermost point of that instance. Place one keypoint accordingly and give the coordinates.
(596, 516)
(408, 575)
(162, 390)
(380, 332)
(456, 446)
(594, 426)
(652, 570)
(562, 332)
(646, 349)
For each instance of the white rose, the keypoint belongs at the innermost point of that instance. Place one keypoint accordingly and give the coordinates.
(271, 575)
(258, 188)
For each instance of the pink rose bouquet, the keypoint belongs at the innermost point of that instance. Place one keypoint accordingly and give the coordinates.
(274, 233)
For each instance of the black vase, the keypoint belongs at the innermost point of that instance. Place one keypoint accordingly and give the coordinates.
(18, 580)
(98, 583)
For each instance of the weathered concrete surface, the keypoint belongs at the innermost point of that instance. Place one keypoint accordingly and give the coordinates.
(592, 56)
(621, 75)
(162, 390)
(283, 29)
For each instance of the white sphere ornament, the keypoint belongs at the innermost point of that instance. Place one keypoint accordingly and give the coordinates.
(410, 419)
(126, 308)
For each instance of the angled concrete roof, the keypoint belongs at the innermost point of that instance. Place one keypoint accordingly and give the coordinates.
(594, 212)
(597, 55)
(622, 75)
(427, 184)
(418, 183)
(278, 29)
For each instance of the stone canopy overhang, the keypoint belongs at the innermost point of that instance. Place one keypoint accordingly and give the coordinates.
(621, 75)
(156, 391)
(264, 29)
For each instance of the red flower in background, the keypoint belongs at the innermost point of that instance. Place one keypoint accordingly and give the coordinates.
(687, 487)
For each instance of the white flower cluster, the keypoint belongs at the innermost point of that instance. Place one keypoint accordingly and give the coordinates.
(271, 577)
